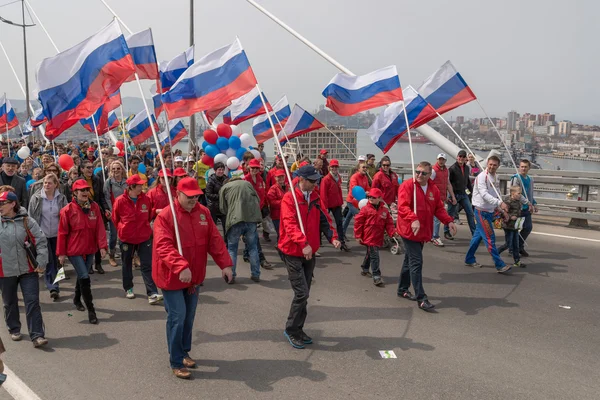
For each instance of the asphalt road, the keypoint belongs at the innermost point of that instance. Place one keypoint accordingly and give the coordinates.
(492, 336)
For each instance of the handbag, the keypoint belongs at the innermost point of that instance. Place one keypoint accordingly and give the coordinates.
(29, 244)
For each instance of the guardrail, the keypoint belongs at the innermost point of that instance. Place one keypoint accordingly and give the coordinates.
(580, 184)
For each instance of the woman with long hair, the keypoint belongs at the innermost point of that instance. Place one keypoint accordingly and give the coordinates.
(114, 187)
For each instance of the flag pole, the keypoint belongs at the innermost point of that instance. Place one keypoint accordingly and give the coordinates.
(159, 86)
(7, 135)
(285, 167)
(284, 133)
(125, 141)
(412, 157)
(99, 148)
(340, 140)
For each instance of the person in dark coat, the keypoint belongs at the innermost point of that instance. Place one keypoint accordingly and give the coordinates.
(9, 177)
(213, 186)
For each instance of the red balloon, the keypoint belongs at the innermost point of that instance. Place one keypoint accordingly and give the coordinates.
(66, 162)
(206, 160)
(121, 154)
(224, 130)
(210, 136)
(120, 145)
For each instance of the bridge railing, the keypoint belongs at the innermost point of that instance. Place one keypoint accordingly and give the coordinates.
(580, 189)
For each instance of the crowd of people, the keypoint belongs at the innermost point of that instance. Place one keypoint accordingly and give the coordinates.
(119, 205)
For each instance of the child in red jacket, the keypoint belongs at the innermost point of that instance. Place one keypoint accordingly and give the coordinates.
(370, 224)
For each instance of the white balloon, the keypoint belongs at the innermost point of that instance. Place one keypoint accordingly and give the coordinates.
(256, 153)
(233, 163)
(254, 142)
(23, 152)
(246, 140)
(235, 130)
(220, 158)
(230, 152)
(116, 150)
(362, 203)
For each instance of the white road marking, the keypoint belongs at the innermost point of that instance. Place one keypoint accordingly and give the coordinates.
(17, 388)
(567, 237)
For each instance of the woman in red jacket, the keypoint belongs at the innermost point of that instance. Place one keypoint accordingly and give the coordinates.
(178, 275)
(333, 199)
(81, 233)
(274, 197)
(386, 180)
(158, 196)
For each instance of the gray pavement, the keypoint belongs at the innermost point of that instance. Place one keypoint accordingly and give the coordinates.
(491, 337)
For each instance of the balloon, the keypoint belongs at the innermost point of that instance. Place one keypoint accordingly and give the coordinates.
(66, 162)
(116, 150)
(120, 145)
(211, 150)
(23, 152)
(246, 139)
(358, 193)
(253, 141)
(204, 144)
(233, 163)
(210, 136)
(235, 142)
(399, 180)
(142, 168)
(224, 130)
(250, 147)
(256, 153)
(362, 203)
(206, 160)
(235, 130)
(222, 143)
(239, 153)
(97, 170)
(230, 153)
(29, 183)
(221, 158)
(121, 154)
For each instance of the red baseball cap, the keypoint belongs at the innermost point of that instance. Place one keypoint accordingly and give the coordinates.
(334, 163)
(135, 180)
(91, 149)
(80, 184)
(8, 196)
(279, 172)
(180, 172)
(375, 193)
(254, 163)
(303, 163)
(169, 173)
(189, 187)
(323, 151)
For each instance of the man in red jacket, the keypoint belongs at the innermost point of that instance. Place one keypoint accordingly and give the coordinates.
(415, 229)
(370, 224)
(297, 249)
(333, 199)
(131, 216)
(178, 275)
(271, 175)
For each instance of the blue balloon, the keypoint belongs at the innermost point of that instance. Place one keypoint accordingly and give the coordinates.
(239, 153)
(250, 148)
(359, 193)
(204, 144)
(399, 180)
(235, 142)
(142, 168)
(29, 183)
(97, 170)
(212, 150)
(222, 143)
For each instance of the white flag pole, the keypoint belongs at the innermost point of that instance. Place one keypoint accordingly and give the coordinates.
(412, 157)
(125, 141)
(99, 147)
(340, 140)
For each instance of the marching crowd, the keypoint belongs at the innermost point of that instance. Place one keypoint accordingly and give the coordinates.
(81, 212)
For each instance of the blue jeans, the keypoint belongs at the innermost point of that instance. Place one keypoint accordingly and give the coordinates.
(412, 269)
(52, 266)
(372, 261)
(181, 311)
(527, 228)
(248, 229)
(112, 242)
(30, 288)
(82, 265)
(484, 231)
(352, 211)
(462, 200)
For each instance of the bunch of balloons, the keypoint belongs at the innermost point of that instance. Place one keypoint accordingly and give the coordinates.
(227, 144)
(360, 195)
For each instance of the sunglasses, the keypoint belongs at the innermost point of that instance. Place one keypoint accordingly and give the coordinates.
(462, 156)
(2, 203)
(385, 165)
(363, 167)
(371, 197)
(312, 180)
(192, 197)
(89, 167)
(421, 173)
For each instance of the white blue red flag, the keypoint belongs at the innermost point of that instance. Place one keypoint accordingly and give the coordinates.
(139, 128)
(176, 132)
(141, 47)
(211, 115)
(38, 118)
(246, 107)
(446, 89)
(105, 121)
(73, 84)
(170, 71)
(299, 123)
(390, 125)
(211, 82)
(113, 102)
(261, 128)
(8, 118)
(158, 105)
(348, 95)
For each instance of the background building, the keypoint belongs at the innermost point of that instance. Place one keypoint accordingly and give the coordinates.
(564, 128)
(312, 142)
(511, 122)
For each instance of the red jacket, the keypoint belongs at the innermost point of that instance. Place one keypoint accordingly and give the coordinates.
(357, 179)
(271, 178)
(132, 219)
(199, 237)
(331, 192)
(428, 205)
(388, 185)
(159, 199)
(441, 180)
(80, 234)
(274, 197)
(371, 223)
(260, 188)
(314, 218)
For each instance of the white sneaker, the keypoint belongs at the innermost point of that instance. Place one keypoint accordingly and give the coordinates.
(129, 294)
(437, 242)
(155, 298)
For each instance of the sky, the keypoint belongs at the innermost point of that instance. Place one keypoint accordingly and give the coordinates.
(531, 56)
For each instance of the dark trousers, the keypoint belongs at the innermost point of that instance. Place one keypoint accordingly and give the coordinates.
(276, 225)
(52, 266)
(30, 289)
(527, 228)
(216, 218)
(412, 269)
(300, 272)
(512, 243)
(144, 251)
(181, 311)
(372, 260)
(339, 222)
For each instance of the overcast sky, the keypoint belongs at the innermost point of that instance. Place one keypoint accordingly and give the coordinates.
(529, 55)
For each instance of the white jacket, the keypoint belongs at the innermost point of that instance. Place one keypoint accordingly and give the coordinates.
(485, 192)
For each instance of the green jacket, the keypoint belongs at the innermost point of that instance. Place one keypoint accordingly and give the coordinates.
(239, 202)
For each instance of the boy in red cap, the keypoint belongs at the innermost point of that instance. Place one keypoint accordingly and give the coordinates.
(370, 224)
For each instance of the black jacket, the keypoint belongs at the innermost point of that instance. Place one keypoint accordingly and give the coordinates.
(20, 188)
(460, 181)
(213, 186)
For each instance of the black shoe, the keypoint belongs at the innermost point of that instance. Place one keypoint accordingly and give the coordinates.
(407, 295)
(425, 305)
(266, 265)
(91, 271)
(246, 259)
(366, 273)
(78, 305)
(294, 340)
(501, 249)
(100, 269)
(345, 248)
(305, 338)
(92, 317)
(266, 237)
(448, 236)
(524, 253)
(255, 278)
(54, 295)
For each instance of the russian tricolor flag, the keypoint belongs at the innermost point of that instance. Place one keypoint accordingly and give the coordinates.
(38, 118)
(73, 84)
(348, 95)
(390, 125)
(170, 71)
(211, 115)
(299, 123)
(446, 89)
(105, 121)
(113, 102)
(139, 128)
(261, 128)
(8, 118)
(176, 131)
(211, 82)
(141, 47)
(158, 105)
(246, 107)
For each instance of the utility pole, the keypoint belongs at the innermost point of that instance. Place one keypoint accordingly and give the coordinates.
(192, 117)
(25, 59)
